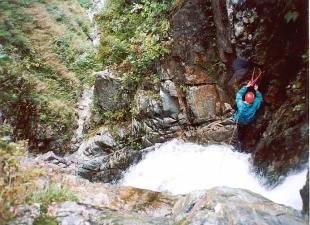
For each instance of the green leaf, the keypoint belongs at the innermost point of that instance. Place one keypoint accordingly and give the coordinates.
(291, 16)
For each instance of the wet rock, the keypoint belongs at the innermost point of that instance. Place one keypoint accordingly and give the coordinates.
(84, 113)
(284, 143)
(170, 104)
(72, 213)
(156, 115)
(304, 192)
(222, 29)
(217, 132)
(226, 206)
(109, 168)
(192, 31)
(99, 203)
(102, 143)
(169, 87)
(109, 91)
(51, 157)
(169, 69)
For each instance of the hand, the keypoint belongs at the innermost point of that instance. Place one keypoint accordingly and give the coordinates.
(256, 87)
(249, 84)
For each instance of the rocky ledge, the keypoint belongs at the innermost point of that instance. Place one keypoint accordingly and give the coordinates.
(112, 204)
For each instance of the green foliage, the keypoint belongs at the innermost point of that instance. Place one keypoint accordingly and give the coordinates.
(135, 36)
(184, 88)
(51, 193)
(11, 33)
(114, 116)
(291, 16)
(58, 13)
(299, 108)
(37, 92)
(45, 220)
(15, 182)
(82, 61)
(30, 106)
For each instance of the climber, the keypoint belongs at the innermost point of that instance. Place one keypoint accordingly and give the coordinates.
(252, 100)
(247, 108)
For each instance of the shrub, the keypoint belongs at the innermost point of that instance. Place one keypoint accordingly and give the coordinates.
(51, 193)
(16, 183)
(134, 36)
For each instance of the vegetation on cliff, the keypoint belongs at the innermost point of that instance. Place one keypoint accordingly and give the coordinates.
(134, 37)
(45, 56)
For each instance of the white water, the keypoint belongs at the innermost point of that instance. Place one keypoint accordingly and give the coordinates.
(84, 108)
(179, 168)
(98, 6)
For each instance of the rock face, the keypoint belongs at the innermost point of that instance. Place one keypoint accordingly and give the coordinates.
(277, 138)
(203, 102)
(216, 46)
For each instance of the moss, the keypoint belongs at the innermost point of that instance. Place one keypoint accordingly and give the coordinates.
(183, 221)
(45, 220)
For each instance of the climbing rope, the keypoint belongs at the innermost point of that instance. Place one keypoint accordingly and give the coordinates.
(254, 80)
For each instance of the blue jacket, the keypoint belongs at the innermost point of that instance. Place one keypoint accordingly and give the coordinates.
(246, 112)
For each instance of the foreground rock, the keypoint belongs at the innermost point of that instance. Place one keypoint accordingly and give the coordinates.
(105, 204)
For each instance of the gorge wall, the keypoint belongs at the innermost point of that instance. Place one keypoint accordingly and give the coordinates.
(216, 44)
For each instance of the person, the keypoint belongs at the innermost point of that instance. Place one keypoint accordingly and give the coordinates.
(248, 100)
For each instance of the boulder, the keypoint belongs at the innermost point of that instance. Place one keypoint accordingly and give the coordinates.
(102, 143)
(109, 168)
(110, 91)
(227, 206)
(217, 132)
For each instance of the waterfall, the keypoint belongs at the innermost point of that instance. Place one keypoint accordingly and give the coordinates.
(98, 6)
(84, 104)
(180, 167)
(84, 108)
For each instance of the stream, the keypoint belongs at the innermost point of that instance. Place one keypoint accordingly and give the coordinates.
(85, 101)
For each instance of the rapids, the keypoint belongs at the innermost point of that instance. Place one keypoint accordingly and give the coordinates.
(179, 168)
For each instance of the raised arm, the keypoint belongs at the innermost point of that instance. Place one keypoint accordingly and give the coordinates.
(258, 100)
(239, 95)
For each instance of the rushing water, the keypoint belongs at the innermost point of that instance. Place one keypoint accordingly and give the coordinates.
(179, 168)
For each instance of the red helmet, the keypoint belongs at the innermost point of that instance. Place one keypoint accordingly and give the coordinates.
(249, 97)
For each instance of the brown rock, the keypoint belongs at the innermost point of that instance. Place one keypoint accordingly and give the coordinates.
(202, 102)
(197, 75)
